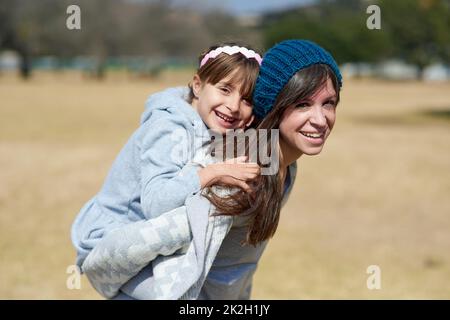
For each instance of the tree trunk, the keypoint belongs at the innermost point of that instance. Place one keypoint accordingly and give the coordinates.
(25, 63)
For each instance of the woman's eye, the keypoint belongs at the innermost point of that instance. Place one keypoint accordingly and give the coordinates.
(330, 104)
(301, 105)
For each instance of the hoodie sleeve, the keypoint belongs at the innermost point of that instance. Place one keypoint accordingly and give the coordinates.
(167, 178)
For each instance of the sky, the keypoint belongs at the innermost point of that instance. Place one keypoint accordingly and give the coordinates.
(243, 7)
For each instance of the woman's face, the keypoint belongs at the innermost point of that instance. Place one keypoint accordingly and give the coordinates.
(306, 125)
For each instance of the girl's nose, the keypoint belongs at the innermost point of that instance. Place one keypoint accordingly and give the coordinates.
(233, 103)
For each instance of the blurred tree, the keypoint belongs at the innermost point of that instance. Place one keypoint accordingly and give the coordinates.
(225, 28)
(339, 26)
(420, 30)
(100, 32)
(34, 28)
(112, 28)
(17, 33)
(416, 31)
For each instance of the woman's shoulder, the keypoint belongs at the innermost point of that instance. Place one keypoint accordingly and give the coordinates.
(289, 180)
(292, 172)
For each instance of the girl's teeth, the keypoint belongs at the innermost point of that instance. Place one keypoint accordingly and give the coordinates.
(224, 117)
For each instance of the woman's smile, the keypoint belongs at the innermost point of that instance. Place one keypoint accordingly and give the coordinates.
(314, 137)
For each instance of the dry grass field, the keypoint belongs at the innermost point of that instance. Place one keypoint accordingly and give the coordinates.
(377, 195)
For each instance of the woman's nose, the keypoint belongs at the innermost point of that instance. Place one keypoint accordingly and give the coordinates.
(318, 117)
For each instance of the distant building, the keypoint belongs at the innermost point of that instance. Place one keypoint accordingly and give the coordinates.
(361, 69)
(397, 70)
(436, 72)
(9, 60)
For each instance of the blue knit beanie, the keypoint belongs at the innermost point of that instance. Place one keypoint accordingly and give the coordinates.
(280, 63)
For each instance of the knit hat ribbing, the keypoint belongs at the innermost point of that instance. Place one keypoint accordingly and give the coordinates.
(280, 63)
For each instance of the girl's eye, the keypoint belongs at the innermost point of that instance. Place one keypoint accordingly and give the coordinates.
(247, 102)
(225, 90)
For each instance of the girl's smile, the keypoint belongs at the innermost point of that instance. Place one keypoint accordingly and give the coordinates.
(225, 120)
(221, 105)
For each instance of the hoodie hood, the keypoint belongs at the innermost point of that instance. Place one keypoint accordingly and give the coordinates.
(173, 100)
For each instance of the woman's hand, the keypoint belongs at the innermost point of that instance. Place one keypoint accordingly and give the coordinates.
(233, 172)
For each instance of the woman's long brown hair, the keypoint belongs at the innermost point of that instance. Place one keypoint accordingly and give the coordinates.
(263, 211)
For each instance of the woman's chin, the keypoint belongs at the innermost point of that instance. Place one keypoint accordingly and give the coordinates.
(311, 151)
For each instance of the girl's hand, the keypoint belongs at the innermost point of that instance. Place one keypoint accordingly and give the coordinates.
(233, 172)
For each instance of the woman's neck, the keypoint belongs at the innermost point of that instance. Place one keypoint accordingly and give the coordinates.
(287, 154)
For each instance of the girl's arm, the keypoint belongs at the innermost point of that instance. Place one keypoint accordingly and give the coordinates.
(233, 172)
(167, 177)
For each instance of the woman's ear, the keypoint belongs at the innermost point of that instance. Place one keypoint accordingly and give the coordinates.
(196, 85)
(249, 122)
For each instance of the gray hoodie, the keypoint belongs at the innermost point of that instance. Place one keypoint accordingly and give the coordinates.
(151, 175)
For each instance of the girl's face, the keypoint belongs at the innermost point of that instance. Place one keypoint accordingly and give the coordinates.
(221, 105)
(306, 124)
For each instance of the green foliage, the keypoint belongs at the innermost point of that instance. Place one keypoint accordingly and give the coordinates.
(417, 31)
(420, 29)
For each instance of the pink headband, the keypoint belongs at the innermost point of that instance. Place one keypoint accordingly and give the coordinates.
(230, 51)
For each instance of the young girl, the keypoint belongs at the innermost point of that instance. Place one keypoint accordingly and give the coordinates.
(150, 176)
(297, 92)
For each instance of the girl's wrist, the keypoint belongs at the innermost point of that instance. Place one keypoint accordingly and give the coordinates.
(207, 175)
